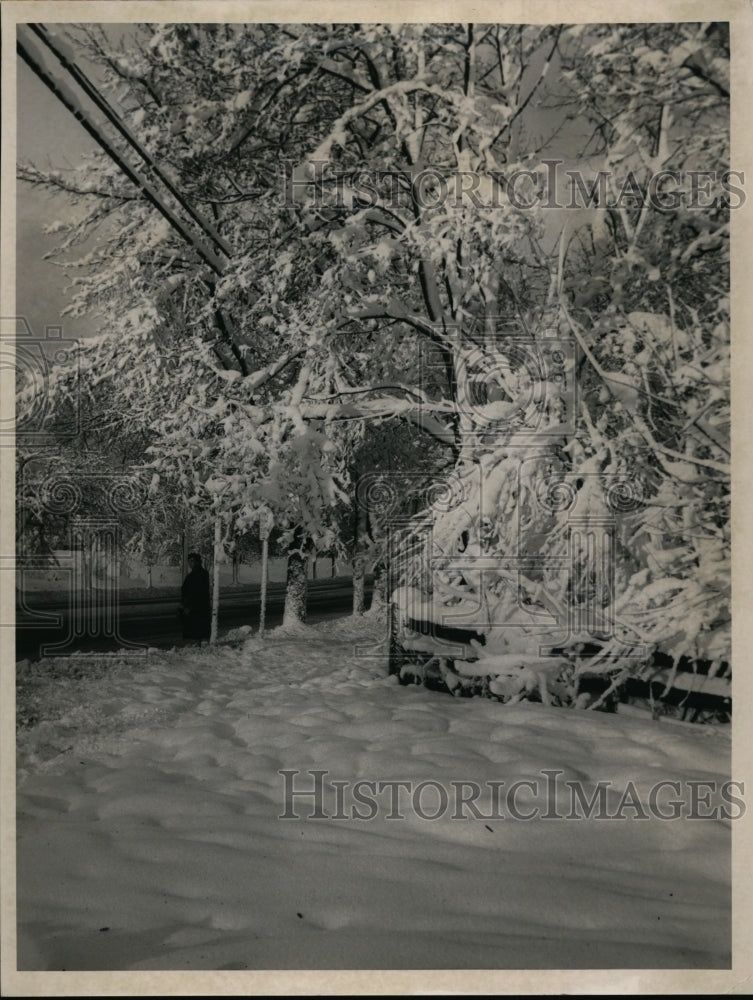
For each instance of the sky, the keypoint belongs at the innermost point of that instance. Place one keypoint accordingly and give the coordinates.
(49, 136)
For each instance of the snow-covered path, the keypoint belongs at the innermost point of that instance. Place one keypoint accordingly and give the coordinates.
(150, 837)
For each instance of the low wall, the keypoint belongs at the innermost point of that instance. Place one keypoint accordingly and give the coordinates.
(134, 575)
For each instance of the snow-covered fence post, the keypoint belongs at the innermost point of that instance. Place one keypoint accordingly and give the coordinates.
(216, 577)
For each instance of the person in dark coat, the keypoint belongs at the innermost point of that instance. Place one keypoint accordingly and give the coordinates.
(196, 605)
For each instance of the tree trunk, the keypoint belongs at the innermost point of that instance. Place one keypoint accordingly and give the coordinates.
(216, 579)
(379, 596)
(359, 563)
(184, 556)
(297, 583)
(264, 575)
(359, 583)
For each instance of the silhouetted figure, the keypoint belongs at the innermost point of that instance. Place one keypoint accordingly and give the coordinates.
(196, 605)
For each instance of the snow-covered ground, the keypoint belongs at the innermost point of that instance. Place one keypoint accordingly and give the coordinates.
(149, 833)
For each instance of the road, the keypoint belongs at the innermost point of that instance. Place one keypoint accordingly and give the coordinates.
(155, 621)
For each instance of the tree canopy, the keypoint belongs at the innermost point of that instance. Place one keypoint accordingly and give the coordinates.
(404, 243)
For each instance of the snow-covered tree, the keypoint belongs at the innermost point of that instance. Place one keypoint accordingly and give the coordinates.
(391, 257)
(441, 257)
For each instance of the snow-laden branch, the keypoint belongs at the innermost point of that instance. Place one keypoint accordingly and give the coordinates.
(53, 179)
(263, 375)
(611, 381)
(338, 69)
(375, 307)
(401, 88)
(373, 409)
(410, 390)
